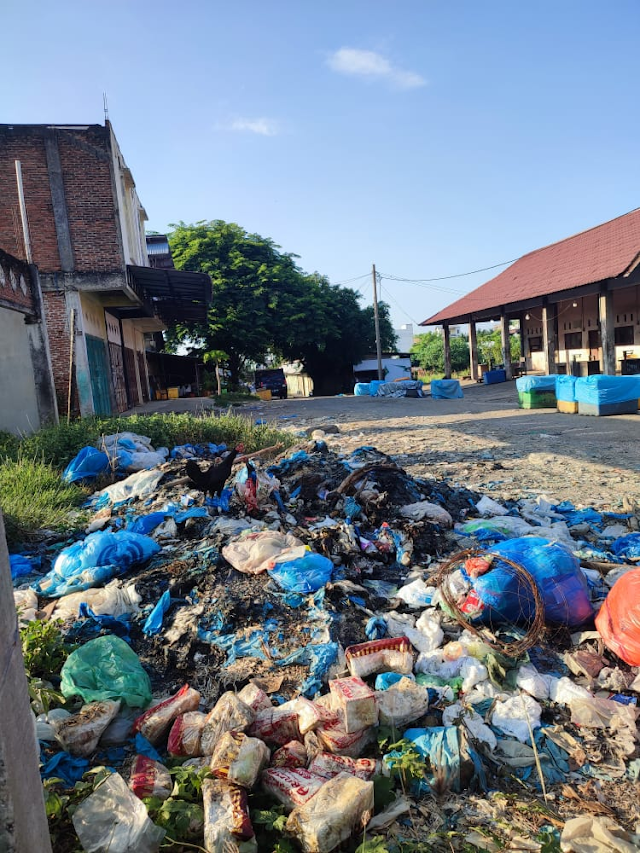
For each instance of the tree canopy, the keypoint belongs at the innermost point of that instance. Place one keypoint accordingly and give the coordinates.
(263, 303)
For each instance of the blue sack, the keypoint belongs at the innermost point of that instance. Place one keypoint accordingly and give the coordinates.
(96, 559)
(305, 574)
(505, 597)
(87, 465)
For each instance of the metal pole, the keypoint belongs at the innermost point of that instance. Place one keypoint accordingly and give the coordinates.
(377, 321)
(23, 213)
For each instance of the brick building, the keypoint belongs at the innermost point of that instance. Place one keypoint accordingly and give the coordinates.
(86, 236)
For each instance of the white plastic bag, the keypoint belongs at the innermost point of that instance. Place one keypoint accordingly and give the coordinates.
(416, 593)
(253, 552)
(516, 716)
(227, 824)
(429, 511)
(402, 703)
(26, 602)
(115, 599)
(114, 820)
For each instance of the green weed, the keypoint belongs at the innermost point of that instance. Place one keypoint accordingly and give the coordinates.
(33, 496)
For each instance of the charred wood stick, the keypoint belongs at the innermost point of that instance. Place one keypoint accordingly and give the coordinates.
(353, 478)
(265, 450)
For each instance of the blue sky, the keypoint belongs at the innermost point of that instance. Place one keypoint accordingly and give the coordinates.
(431, 138)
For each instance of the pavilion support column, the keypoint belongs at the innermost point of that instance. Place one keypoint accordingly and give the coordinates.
(447, 350)
(473, 351)
(506, 345)
(605, 306)
(549, 337)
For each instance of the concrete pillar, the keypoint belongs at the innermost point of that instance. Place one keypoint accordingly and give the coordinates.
(473, 351)
(23, 823)
(447, 351)
(522, 353)
(549, 337)
(81, 359)
(607, 338)
(506, 345)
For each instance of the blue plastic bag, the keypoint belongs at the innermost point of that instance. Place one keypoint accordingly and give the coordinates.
(96, 559)
(146, 523)
(306, 574)
(87, 465)
(627, 546)
(153, 623)
(556, 572)
(21, 565)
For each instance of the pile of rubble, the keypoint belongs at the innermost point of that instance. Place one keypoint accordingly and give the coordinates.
(366, 654)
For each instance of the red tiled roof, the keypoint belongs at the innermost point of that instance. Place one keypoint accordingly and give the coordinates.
(606, 251)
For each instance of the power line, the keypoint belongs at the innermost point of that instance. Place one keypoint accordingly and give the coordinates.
(349, 280)
(388, 293)
(447, 277)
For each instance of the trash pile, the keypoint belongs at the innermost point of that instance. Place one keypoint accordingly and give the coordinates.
(329, 651)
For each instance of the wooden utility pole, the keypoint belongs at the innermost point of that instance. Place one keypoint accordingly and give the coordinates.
(377, 321)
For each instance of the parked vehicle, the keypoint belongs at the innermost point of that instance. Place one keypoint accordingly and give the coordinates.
(272, 379)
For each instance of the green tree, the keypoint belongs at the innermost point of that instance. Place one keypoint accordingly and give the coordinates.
(263, 303)
(490, 346)
(428, 352)
(256, 289)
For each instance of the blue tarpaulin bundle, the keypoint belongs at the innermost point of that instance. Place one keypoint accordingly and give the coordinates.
(446, 389)
(602, 390)
(536, 383)
(566, 388)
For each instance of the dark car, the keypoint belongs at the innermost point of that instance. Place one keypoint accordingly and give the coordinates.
(272, 379)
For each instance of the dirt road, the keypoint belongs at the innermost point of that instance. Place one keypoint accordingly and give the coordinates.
(483, 441)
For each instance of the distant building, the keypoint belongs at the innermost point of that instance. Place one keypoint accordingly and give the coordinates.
(576, 302)
(405, 337)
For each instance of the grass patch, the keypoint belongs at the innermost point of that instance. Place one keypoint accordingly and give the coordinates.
(33, 496)
(57, 445)
(32, 493)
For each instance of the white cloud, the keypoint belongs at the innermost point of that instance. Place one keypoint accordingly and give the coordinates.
(261, 126)
(373, 66)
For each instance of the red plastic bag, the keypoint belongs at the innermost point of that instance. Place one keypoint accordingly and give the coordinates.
(619, 618)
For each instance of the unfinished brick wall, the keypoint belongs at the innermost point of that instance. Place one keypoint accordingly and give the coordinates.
(55, 312)
(85, 157)
(86, 166)
(27, 145)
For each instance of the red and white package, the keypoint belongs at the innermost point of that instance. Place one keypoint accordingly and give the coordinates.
(185, 734)
(291, 787)
(154, 723)
(292, 754)
(229, 714)
(255, 698)
(341, 807)
(277, 726)
(332, 737)
(393, 654)
(149, 778)
(227, 825)
(239, 759)
(472, 606)
(355, 703)
(312, 714)
(327, 765)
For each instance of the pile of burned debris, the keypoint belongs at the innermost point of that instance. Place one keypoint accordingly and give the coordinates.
(322, 650)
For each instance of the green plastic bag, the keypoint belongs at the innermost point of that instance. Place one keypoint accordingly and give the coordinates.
(106, 668)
